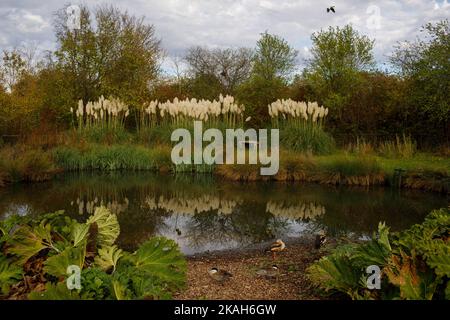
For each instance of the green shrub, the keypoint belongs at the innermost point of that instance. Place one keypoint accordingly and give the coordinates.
(415, 264)
(55, 241)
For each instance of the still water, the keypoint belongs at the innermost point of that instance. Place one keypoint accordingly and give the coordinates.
(203, 214)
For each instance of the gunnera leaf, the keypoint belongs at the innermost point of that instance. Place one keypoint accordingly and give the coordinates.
(57, 291)
(28, 241)
(57, 265)
(108, 226)
(108, 258)
(161, 258)
(9, 274)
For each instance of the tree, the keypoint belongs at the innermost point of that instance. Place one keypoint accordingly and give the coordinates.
(339, 55)
(425, 66)
(273, 64)
(227, 67)
(12, 68)
(117, 55)
(274, 58)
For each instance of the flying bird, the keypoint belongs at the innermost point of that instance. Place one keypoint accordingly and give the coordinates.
(331, 9)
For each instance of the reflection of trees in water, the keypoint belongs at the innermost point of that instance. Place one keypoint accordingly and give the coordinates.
(248, 223)
(219, 212)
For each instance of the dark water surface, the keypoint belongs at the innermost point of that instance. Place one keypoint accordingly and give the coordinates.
(203, 214)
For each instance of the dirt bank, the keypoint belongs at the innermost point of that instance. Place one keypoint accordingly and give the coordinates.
(291, 283)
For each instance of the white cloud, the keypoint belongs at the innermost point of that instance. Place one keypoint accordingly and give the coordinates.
(232, 23)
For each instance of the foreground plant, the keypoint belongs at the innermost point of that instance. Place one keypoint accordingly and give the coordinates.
(36, 254)
(415, 264)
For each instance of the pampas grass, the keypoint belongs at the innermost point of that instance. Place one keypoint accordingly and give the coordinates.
(182, 113)
(301, 125)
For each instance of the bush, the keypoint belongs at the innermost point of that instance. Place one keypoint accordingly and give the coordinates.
(22, 164)
(415, 264)
(46, 246)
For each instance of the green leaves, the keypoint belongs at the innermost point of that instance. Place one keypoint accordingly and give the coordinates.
(79, 233)
(9, 274)
(109, 272)
(28, 241)
(108, 258)
(415, 262)
(57, 265)
(161, 257)
(108, 226)
(57, 291)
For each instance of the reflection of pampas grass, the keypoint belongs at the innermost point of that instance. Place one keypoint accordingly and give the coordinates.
(191, 206)
(304, 211)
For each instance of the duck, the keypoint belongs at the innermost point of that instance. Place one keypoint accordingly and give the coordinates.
(219, 275)
(277, 246)
(178, 231)
(271, 272)
(320, 239)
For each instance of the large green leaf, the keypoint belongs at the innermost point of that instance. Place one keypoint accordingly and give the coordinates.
(57, 265)
(415, 281)
(28, 241)
(336, 272)
(79, 233)
(108, 226)
(9, 274)
(108, 258)
(161, 258)
(57, 291)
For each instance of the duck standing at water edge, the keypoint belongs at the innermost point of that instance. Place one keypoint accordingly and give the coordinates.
(275, 247)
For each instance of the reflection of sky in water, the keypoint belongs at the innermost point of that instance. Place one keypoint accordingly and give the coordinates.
(180, 223)
(218, 215)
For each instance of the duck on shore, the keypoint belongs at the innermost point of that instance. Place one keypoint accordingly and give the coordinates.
(275, 247)
(219, 275)
(271, 272)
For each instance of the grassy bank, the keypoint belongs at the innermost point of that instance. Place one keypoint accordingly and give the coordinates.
(418, 171)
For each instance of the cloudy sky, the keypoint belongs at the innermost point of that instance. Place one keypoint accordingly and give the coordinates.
(232, 23)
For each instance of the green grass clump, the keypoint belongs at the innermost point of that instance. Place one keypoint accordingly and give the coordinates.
(115, 157)
(400, 148)
(22, 164)
(306, 139)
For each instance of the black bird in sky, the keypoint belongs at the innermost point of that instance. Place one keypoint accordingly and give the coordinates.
(331, 9)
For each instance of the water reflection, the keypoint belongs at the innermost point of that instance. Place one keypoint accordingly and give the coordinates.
(202, 214)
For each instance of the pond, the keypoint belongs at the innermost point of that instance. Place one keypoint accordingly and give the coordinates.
(203, 214)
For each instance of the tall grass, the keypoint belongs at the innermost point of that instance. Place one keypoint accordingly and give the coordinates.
(182, 113)
(301, 126)
(403, 147)
(115, 157)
